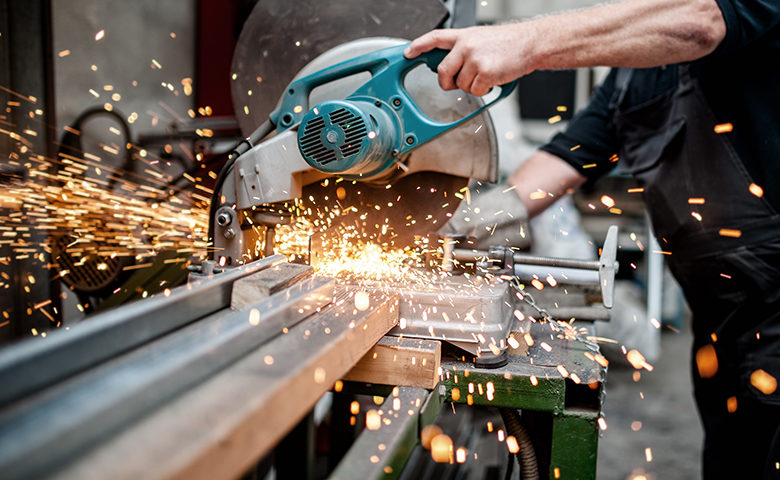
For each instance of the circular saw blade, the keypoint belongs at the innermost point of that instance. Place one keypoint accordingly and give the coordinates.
(389, 215)
(280, 37)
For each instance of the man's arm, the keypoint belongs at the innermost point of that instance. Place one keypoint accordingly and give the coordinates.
(542, 179)
(633, 33)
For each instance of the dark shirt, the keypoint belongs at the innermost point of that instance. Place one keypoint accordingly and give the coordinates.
(740, 80)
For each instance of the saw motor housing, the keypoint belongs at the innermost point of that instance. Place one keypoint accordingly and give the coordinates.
(357, 140)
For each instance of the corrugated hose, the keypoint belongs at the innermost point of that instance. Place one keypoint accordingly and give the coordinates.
(526, 456)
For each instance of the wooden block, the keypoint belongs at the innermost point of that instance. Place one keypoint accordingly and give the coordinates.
(518, 344)
(221, 427)
(248, 290)
(400, 361)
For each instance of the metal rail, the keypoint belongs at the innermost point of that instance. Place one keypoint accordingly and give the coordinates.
(34, 364)
(67, 419)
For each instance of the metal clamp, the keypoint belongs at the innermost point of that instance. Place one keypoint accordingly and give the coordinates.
(503, 261)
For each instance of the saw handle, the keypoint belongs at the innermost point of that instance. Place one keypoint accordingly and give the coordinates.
(388, 68)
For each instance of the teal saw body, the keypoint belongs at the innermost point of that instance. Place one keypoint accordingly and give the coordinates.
(363, 136)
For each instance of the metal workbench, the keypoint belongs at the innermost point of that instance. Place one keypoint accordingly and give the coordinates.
(533, 383)
(181, 385)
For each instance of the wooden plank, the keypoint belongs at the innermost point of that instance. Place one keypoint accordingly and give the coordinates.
(220, 428)
(400, 361)
(383, 452)
(517, 344)
(248, 290)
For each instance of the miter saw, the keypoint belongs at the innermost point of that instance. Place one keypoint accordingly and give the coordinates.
(366, 138)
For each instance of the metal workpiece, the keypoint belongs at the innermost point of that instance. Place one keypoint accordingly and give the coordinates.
(68, 419)
(222, 426)
(471, 313)
(34, 364)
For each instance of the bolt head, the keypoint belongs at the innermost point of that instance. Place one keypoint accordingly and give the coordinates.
(223, 219)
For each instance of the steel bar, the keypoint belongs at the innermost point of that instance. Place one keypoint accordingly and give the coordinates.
(467, 256)
(32, 365)
(569, 276)
(70, 418)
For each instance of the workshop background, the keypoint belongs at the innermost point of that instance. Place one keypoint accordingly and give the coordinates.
(146, 84)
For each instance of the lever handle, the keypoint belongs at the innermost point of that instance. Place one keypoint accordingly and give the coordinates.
(608, 266)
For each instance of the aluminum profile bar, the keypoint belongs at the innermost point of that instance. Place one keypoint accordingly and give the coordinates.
(33, 364)
(68, 419)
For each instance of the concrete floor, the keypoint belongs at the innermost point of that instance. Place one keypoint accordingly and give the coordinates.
(669, 422)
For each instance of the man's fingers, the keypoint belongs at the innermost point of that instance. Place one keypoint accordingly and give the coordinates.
(434, 39)
(466, 76)
(449, 68)
(480, 86)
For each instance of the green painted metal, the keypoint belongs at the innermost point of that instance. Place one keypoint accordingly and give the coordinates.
(575, 442)
(431, 408)
(533, 383)
(511, 387)
(383, 453)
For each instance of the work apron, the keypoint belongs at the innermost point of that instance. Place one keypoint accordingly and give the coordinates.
(721, 239)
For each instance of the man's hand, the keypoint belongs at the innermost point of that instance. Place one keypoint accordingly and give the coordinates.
(480, 57)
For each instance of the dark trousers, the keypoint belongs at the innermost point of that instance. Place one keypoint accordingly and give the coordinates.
(735, 297)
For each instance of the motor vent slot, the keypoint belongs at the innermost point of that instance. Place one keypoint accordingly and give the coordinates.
(311, 142)
(354, 130)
